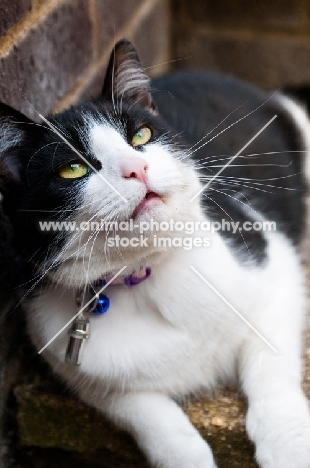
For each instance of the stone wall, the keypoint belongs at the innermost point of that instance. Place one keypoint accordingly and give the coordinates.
(54, 52)
(265, 42)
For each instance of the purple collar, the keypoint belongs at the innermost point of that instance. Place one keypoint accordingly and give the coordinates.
(136, 277)
(102, 303)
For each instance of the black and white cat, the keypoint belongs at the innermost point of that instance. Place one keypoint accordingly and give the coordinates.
(211, 305)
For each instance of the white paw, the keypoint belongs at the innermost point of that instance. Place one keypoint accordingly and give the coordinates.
(190, 454)
(285, 446)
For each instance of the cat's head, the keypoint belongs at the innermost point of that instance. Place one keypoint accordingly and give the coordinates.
(120, 162)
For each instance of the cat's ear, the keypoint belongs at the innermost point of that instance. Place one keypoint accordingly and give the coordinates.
(125, 78)
(14, 127)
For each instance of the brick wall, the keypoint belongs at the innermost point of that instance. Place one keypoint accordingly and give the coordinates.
(265, 42)
(54, 52)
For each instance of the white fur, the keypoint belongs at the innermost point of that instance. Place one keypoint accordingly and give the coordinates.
(10, 137)
(172, 335)
(299, 115)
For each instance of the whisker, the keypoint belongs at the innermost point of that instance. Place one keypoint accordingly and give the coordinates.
(234, 157)
(246, 156)
(220, 123)
(239, 201)
(234, 123)
(244, 185)
(255, 165)
(243, 239)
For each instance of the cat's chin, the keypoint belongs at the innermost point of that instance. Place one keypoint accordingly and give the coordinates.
(151, 200)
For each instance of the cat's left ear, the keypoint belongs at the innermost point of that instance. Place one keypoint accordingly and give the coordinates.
(14, 128)
(125, 78)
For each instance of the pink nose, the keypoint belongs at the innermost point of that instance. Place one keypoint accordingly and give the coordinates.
(135, 168)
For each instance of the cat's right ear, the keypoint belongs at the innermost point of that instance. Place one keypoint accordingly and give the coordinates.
(14, 127)
(126, 79)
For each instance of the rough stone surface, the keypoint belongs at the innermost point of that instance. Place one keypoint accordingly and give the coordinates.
(264, 42)
(34, 457)
(152, 52)
(276, 14)
(112, 15)
(69, 425)
(152, 38)
(11, 12)
(46, 64)
(267, 61)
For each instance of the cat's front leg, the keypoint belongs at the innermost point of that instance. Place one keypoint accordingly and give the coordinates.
(161, 429)
(278, 418)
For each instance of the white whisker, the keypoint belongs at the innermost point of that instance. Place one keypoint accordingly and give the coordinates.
(234, 157)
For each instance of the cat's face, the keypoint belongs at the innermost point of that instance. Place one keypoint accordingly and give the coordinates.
(128, 168)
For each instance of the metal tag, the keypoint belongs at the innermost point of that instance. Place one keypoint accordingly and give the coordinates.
(78, 333)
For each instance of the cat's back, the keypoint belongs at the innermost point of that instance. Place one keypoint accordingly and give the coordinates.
(196, 103)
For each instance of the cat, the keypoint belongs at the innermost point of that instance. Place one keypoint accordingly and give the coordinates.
(202, 299)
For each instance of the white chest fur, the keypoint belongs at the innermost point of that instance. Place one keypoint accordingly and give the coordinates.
(172, 333)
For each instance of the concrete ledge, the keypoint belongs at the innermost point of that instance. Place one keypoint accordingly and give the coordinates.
(51, 420)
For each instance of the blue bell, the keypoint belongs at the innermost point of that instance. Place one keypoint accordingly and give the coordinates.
(102, 305)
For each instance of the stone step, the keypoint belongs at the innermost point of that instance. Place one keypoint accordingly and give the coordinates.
(51, 420)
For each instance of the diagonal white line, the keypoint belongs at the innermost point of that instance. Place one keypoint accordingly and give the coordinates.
(82, 309)
(233, 158)
(54, 129)
(234, 310)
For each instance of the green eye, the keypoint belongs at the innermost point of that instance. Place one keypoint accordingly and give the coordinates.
(74, 171)
(142, 136)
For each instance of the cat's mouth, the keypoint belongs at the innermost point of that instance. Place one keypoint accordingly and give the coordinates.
(150, 200)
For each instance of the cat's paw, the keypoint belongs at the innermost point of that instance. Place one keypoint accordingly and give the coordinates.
(191, 454)
(293, 453)
(286, 446)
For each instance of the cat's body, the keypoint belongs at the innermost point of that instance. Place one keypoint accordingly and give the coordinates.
(239, 313)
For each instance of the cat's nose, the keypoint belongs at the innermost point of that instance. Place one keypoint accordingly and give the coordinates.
(135, 168)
